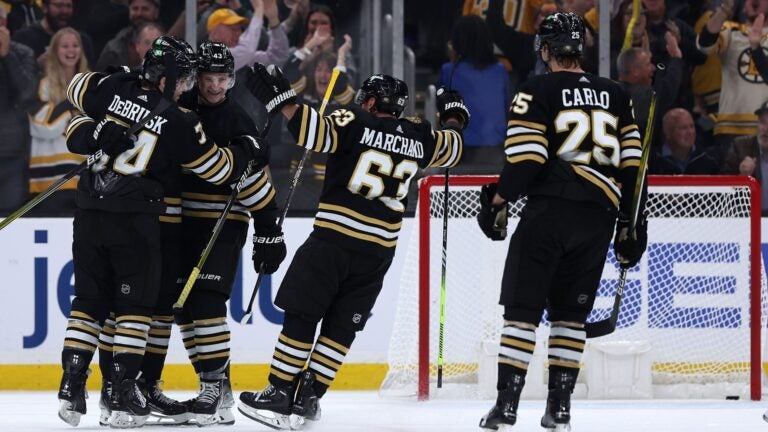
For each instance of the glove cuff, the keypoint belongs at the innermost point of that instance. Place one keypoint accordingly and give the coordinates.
(280, 99)
(271, 238)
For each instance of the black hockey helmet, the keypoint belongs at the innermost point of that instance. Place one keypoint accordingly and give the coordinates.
(391, 94)
(563, 33)
(171, 58)
(214, 57)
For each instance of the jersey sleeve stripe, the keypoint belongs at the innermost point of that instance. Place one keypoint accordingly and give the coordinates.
(438, 147)
(526, 148)
(259, 202)
(77, 88)
(632, 143)
(202, 159)
(300, 85)
(629, 163)
(526, 139)
(252, 184)
(319, 135)
(448, 149)
(208, 169)
(526, 157)
(527, 124)
(631, 153)
(76, 122)
(629, 128)
(356, 215)
(302, 129)
(223, 171)
(519, 130)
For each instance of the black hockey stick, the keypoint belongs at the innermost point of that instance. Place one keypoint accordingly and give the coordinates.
(608, 325)
(291, 189)
(162, 105)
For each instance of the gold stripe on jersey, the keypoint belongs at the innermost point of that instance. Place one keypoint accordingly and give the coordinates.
(215, 215)
(299, 85)
(215, 166)
(76, 122)
(77, 88)
(527, 124)
(346, 96)
(390, 226)
(600, 181)
(631, 147)
(355, 234)
(317, 133)
(526, 141)
(449, 146)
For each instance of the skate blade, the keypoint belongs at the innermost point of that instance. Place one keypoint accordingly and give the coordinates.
(156, 419)
(506, 428)
(126, 420)
(559, 428)
(66, 413)
(226, 417)
(277, 421)
(205, 419)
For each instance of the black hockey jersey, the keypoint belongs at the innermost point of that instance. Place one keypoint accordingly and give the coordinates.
(148, 172)
(371, 162)
(572, 135)
(201, 199)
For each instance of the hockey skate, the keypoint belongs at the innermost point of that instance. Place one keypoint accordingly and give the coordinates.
(557, 416)
(226, 416)
(206, 406)
(503, 415)
(72, 393)
(163, 410)
(106, 394)
(306, 405)
(270, 407)
(128, 404)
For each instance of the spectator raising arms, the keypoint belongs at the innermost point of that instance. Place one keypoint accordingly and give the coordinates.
(49, 116)
(475, 73)
(17, 83)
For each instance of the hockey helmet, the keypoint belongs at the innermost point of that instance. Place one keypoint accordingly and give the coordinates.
(563, 33)
(166, 54)
(214, 57)
(391, 94)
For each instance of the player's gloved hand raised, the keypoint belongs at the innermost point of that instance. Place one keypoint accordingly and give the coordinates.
(256, 148)
(112, 138)
(270, 87)
(268, 249)
(451, 104)
(629, 247)
(492, 218)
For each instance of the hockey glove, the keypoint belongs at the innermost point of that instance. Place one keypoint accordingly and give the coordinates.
(629, 247)
(451, 104)
(268, 249)
(492, 218)
(270, 87)
(255, 148)
(112, 138)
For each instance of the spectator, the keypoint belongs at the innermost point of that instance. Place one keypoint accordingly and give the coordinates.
(679, 154)
(705, 78)
(144, 35)
(742, 88)
(57, 14)
(23, 13)
(17, 83)
(225, 26)
(119, 50)
(636, 73)
(202, 21)
(49, 115)
(474, 72)
(619, 26)
(749, 155)
(658, 25)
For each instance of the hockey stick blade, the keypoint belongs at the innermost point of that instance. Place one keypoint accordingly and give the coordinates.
(608, 325)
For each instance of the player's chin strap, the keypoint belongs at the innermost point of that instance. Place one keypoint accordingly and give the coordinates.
(326, 98)
(608, 325)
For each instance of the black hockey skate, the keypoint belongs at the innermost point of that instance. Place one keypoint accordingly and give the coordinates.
(504, 412)
(106, 395)
(72, 392)
(306, 405)
(270, 407)
(226, 416)
(166, 411)
(557, 416)
(206, 405)
(128, 404)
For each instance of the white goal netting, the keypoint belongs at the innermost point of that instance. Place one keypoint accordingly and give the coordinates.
(688, 302)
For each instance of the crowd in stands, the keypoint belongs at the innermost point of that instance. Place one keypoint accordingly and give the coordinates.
(704, 61)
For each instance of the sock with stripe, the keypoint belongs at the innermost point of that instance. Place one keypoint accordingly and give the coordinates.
(106, 341)
(187, 330)
(157, 347)
(328, 356)
(130, 342)
(566, 344)
(292, 350)
(80, 341)
(518, 340)
(208, 311)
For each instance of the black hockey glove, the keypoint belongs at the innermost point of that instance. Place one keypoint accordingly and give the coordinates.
(112, 138)
(254, 147)
(451, 104)
(492, 218)
(629, 247)
(270, 87)
(268, 249)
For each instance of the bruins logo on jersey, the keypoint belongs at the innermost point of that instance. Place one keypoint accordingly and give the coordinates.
(747, 68)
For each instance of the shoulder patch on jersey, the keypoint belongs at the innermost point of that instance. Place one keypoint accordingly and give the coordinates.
(413, 119)
(584, 79)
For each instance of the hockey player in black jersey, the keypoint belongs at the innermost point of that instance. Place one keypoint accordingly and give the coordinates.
(337, 273)
(203, 320)
(116, 247)
(573, 148)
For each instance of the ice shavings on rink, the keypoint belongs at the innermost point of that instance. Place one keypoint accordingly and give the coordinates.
(366, 411)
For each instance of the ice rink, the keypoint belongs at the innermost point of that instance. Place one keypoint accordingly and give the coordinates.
(366, 411)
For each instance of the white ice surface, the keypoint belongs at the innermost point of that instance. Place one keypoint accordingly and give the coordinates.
(366, 411)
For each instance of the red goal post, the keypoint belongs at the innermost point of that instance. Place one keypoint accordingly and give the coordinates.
(721, 206)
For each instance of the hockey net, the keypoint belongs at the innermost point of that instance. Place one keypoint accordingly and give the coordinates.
(697, 298)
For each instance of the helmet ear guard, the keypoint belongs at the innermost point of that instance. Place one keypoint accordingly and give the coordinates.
(391, 94)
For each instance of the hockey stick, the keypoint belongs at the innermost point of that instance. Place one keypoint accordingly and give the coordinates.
(291, 189)
(162, 105)
(216, 230)
(608, 325)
